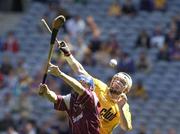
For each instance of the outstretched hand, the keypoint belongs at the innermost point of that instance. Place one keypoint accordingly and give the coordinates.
(62, 45)
(43, 89)
(54, 70)
(122, 100)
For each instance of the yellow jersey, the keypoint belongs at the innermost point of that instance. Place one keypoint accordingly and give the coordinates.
(109, 110)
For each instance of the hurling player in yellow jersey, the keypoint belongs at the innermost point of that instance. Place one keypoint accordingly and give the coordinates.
(114, 109)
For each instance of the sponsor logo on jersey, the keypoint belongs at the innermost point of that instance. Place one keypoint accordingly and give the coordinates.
(77, 118)
(107, 114)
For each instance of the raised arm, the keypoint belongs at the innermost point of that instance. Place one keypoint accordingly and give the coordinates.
(73, 63)
(76, 85)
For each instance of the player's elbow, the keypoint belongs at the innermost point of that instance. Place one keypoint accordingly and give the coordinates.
(127, 128)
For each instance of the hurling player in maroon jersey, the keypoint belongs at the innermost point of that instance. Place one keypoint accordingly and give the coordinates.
(81, 104)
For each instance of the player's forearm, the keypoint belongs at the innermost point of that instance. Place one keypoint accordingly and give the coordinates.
(76, 86)
(126, 123)
(75, 65)
(51, 96)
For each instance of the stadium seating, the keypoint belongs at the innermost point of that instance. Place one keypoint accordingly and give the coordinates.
(162, 109)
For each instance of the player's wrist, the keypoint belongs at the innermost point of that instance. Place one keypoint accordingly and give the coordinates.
(66, 52)
(51, 96)
(60, 74)
(70, 60)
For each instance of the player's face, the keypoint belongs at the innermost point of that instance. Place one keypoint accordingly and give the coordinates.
(84, 84)
(117, 86)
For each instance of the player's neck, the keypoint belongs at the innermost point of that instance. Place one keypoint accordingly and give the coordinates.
(109, 97)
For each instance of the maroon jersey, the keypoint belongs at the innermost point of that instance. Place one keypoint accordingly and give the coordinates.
(82, 111)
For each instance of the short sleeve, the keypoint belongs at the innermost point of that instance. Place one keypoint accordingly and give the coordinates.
(63, 103)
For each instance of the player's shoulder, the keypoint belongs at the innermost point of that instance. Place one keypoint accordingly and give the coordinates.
(99, 84)
(66, 99)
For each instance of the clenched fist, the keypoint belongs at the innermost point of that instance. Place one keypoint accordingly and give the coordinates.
(54, 70)
(64, 48)
(43, 89)
(122, 100)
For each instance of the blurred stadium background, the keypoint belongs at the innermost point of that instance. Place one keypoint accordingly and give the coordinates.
(143, 35)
